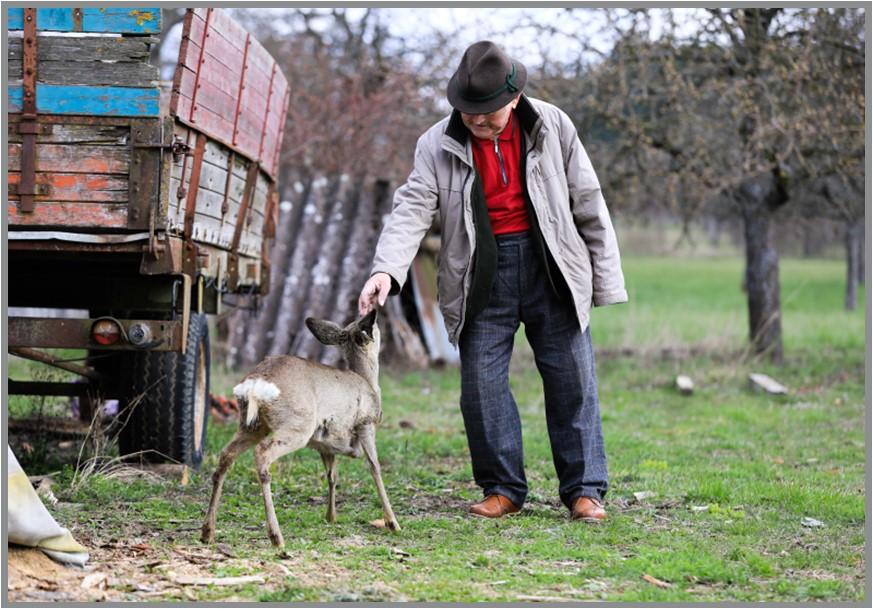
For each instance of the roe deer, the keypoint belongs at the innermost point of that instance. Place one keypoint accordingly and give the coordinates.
(287, 403)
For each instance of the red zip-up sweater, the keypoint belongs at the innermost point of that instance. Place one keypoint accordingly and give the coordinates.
(498, 162)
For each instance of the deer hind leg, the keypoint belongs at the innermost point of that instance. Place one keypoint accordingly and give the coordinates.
(329, 461)
(266, 452)
(367, 438)
(241, 442)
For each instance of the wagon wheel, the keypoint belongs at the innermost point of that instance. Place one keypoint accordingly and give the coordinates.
(167, 405)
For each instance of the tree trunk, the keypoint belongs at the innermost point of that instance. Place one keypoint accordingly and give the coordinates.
(762, 267)
(812, 241)
(862, 252)
(260, 335)
(854, 238)
(358, 257)
(295, 287)
(327, 266)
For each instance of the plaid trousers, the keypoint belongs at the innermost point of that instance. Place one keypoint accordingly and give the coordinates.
(565, 360)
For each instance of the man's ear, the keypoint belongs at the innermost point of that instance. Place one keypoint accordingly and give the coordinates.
(326, 332)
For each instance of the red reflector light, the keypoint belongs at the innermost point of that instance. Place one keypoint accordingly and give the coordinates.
(105, 332)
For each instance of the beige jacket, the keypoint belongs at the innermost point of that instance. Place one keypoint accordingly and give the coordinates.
(563, 189)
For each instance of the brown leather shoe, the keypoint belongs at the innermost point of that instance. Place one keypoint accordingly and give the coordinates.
(493, 506)
(588, 509)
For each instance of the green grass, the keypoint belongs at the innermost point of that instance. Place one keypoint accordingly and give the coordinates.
(734, 472)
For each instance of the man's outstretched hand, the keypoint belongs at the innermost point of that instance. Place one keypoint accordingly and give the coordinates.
(375, 290)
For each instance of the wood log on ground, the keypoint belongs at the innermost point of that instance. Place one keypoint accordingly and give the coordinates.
(762, 382)
(684, 384)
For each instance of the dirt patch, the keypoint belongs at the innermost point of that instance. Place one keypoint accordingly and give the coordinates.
(140, 572)
(33, 576)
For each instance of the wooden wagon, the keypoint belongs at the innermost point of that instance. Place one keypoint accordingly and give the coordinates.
(139, 205)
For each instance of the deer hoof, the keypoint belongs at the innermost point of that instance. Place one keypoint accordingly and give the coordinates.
(393, 525)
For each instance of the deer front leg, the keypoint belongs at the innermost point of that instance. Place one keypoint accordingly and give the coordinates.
(329, 461)
(367, 436)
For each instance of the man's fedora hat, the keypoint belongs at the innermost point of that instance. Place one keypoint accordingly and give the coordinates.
(486, 79)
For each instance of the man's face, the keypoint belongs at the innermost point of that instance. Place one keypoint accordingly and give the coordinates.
(489, 126)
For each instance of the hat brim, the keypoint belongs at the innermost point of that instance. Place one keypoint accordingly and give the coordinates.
(453, 94)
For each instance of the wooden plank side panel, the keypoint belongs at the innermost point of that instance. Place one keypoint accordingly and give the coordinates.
(87, 49)
(229, 30)
(273, 167)
(71, 133)
(96, 101)
(70, 215)
(126, 20)
(98, 188)
(252, 236)
(121, 61)
(81, 173)
(92, 74)
(275, 125)
(196, 26)
(74, 158)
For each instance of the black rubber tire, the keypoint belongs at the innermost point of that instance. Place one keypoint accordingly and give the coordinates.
(167, 405)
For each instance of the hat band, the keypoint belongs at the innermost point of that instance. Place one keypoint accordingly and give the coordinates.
(509, 85)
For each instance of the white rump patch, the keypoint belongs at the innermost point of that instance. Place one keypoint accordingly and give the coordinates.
(259, 389)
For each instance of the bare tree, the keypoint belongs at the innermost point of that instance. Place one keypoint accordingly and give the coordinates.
(741, 110)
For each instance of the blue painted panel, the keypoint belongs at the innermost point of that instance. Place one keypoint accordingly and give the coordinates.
(99, 101)
(56, 19)
(106, 20)
(15, 18)
(16, 98)
(124, 20)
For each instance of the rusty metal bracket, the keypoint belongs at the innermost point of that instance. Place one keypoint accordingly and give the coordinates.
(225, 205)
(200, 63)
(67, 333)
(27, 127)
(45, 358)
(31, 127)
(182, 192)
(189, 257)
(242, 86)
(147, 137)
(194, 186)
(242, 212)
(178, 147)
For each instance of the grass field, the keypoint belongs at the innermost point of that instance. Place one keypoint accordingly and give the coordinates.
(732, 476)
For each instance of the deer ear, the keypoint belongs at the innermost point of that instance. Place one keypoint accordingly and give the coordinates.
(365, 324)
(361, 330)
(326, 332)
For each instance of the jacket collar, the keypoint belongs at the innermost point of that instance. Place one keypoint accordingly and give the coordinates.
(457, 135)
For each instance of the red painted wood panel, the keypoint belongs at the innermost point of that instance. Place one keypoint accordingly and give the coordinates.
(75, 187)
(228, 83)
(184, 82)
(67, 214)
